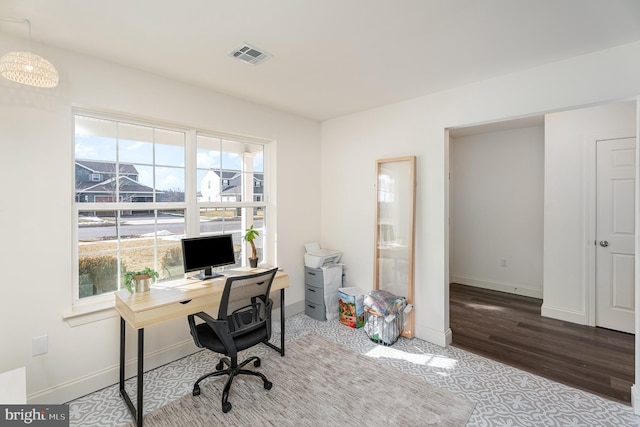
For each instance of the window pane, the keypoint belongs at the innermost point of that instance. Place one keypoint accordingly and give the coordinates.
(255, 217)
(171, 229)
(95, 139)
(231, 187)
(170, 184)
(135, 144)
(112, 242)
(215, 221)
(95, 154)
(208, 152)
(136, 183)
(237, 247)
(97, 253)
(137, 256)
(219, 220)
(208, 186)
(254, 187)
(170, 147)
(97, 273)
(232, 155)
(255, 154)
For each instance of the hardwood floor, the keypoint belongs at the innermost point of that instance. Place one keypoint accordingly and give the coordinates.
(508, 328)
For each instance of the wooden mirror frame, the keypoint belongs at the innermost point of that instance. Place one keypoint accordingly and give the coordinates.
(393, 258)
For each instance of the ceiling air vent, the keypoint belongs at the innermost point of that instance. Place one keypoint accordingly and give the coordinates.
(249, 54)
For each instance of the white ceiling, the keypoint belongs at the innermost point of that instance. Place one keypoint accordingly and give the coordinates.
(330, 57)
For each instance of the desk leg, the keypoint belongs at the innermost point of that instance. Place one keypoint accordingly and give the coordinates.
(282, 322)
(122, 341)
(281, 349)
(140, 373)
(137, 414)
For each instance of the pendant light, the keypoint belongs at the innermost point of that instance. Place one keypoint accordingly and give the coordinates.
(26, 67)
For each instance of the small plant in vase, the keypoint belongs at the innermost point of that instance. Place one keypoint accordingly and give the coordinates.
(250, 234)
(139, 281)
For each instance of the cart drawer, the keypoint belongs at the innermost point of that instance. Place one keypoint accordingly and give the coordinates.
(315, 310)
(314, 294)
(313, 276)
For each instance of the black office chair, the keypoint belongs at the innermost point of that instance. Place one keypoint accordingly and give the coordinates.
(244, 320)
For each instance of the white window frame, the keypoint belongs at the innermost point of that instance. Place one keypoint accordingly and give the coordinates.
(193, 229)
(191, 205)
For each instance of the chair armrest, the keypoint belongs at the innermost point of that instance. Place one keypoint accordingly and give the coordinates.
(204, 316)
(215, 324)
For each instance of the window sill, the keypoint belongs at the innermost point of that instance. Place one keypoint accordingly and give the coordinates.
(95, 311)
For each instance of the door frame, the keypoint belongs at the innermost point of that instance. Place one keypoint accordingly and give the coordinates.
(590, 200)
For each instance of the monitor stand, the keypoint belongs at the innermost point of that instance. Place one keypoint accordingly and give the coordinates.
(207, 274)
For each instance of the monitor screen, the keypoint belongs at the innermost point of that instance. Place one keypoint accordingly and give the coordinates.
(205, 253)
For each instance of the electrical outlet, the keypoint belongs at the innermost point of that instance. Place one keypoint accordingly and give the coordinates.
(40, 345)
(503, 262)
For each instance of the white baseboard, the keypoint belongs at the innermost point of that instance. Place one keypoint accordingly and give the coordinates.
(108, 376)
(293, 309)
(448, 337)
(512, 288)
(560, 313)
(443, 339)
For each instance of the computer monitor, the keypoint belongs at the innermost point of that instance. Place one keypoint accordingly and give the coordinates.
(206, 253)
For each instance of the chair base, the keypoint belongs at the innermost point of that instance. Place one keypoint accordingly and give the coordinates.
(232, 370)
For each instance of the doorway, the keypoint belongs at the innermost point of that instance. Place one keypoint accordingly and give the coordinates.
(568, 281)
(496, 196)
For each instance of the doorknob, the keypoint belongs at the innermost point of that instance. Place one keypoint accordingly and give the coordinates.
(604, 243)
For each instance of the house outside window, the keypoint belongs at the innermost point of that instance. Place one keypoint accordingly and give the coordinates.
(229, 203)
(136, 214)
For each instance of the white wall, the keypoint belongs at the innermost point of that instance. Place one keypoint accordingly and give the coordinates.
(36, 152)
(569, 202)
(351, 144)
(496, 209)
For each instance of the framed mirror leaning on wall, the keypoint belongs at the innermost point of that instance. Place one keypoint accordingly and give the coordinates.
(394, 230)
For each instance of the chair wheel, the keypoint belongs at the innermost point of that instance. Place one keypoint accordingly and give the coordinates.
(268, 385)
(196, 390)
(220, 365)
(256, 364)
(226, 407)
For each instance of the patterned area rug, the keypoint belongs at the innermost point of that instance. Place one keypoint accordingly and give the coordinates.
(504, 396)
(318, 382)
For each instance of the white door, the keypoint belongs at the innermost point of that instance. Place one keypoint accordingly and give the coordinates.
(615, 228)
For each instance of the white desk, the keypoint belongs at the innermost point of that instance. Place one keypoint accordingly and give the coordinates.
(177, 299)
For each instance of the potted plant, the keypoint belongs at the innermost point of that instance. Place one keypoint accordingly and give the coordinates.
(139, 281)
(250, 235)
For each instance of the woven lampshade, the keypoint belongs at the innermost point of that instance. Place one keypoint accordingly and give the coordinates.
(29, 69)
